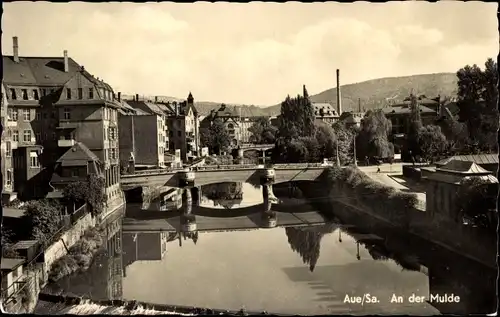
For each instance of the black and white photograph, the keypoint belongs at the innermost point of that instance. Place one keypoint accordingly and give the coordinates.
(218, 158)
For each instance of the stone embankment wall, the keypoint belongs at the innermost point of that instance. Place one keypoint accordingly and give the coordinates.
(386, 204)
(70, 237)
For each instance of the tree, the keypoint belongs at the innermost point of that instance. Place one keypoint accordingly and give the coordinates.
(45, 217)
(477, 101)
(345, 140)
(7, 244)
(476, 200)
(457, 136)
(313, 149)
(411, 149)
(431, 142)
(297, 118)
(372, 139)
(217, 138)
(326, 139)
(90, 191)
(263, 132)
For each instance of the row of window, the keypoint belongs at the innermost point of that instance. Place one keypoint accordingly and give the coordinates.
(33, 94)
(79, 92)
(171, 133)
(34, 160)
(111, 133)
(27, 135)
(13, 115)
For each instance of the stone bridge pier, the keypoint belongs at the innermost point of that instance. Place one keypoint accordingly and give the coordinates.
(269, 217)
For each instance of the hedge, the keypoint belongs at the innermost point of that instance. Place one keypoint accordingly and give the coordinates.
(355, 187)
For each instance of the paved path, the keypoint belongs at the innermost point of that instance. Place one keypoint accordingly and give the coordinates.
(393, 176)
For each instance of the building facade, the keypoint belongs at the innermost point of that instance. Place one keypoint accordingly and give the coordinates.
(53, 103)
(143, 135)
(183, 127)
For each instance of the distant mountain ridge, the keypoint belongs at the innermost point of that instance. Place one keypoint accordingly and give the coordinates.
(372, 94)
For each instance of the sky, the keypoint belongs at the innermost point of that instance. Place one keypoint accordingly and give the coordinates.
(253, 53)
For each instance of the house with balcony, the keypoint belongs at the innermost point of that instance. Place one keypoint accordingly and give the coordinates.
(138, 145)
(183, 127)
(236, 126)
(53, 103)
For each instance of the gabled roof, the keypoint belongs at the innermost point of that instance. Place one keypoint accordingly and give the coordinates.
(463, 167)
(480, 159)
(79, 153)
(323, 109)
(145, 106)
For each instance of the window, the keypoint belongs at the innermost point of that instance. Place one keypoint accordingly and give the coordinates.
(68, 93)
(34, 162)
(112, 134)
(74, 172)
(35, 94)
(12, 114)
(8, 149)
(230, 126)
(67, 114)
(26, 115)
(38, 136)
(25, 94)
(44, 92)
(113, 154)
(9, 178)
(80, 93)
(27, 136)
(91, 93)
(13, 94)
(15, 136)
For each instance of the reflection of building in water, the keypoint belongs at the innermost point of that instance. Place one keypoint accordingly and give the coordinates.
(224, 194)
(115, 265)
(143, 246)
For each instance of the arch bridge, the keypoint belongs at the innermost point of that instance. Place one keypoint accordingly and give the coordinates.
(204, 175)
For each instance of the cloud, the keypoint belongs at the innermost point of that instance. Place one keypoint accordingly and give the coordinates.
(161, 49)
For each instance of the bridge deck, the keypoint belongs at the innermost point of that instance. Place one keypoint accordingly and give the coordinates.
(204, 223)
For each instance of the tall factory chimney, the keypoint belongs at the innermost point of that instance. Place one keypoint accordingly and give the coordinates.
(15, 49)
(66, 62)
(339, 98)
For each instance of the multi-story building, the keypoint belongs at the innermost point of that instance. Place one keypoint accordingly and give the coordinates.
(53, 103)
(137, 131)
(183, 127)
(236, 125)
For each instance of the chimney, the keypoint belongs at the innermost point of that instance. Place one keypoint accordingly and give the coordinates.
(339, 98)
(156, 99)
(136, 97)
(119, 96)
(66, 64)
(15, 49)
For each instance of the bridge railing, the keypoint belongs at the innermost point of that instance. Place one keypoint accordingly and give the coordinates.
(225, 167)
(298, 165)
(154, 172)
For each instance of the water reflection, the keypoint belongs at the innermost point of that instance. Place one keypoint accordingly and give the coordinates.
(231, 195)
(261, 269)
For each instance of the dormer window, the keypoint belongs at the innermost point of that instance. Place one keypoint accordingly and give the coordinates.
(35, 94)
(68, 93)
(25, 94)
(13, 94)
(91, 93)
(80, 93)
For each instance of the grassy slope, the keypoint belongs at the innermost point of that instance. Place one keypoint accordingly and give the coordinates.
(373, 93)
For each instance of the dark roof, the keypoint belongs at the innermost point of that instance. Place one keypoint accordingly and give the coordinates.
(24, 244)
(78, 152)
(10, 264)
(145, 106)
(404, 109)
(453, 108)
(226, 111)
(44, 71)
(480, 159)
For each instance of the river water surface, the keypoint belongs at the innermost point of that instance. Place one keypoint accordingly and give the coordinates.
(320, 269)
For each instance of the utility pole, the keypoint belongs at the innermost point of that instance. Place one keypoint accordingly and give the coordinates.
(354, 146)
(338, 158)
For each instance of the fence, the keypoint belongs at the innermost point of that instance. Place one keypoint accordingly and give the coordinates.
(78, 214)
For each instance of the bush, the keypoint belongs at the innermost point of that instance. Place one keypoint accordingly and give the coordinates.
(79, 257)
(383, 200)
(45, 217)
(90, 192)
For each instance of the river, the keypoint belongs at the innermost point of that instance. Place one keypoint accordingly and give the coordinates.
(353, 265)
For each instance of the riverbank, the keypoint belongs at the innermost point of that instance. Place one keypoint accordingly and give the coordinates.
(351, 187)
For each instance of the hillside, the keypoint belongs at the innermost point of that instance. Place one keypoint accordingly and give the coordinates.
(374, 93)
(377, 93)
